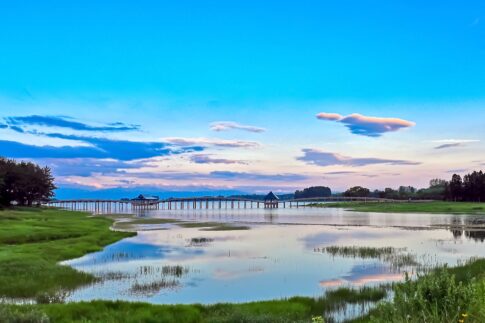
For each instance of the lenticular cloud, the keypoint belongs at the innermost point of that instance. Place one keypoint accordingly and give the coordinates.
(367, 126)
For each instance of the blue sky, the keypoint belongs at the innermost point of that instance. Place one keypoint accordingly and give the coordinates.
(169, 94)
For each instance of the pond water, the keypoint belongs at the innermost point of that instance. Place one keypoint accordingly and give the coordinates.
(286, 252)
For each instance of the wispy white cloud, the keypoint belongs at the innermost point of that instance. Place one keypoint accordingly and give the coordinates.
(208, 159)
(453, 143)
(201, 141)
(323, 158)
(367, 126)
(230, 125)
(458, 170)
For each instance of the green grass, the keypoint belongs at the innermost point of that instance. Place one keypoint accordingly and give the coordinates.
(443, 295)
(296, 309)
(34, 240)
(410, 207)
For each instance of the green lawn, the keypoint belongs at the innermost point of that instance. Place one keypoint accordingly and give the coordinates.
(410, 207)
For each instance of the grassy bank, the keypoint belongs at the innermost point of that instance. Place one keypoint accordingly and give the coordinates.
(296, 309)
(410, 207)
(34, 240)
(444, 295)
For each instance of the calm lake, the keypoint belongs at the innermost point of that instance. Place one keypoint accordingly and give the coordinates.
(285, 252)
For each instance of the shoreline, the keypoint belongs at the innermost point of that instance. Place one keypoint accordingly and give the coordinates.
(299, 309)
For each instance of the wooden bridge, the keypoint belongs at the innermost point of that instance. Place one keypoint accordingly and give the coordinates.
(209, 202)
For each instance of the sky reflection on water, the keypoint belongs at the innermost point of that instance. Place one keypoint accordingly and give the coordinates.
(271, 260)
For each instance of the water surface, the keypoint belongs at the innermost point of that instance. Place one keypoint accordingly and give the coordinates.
(282, 255)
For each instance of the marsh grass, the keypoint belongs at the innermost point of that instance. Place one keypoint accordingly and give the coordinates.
(396, 257)
(153, 287)
(200, 241)
(177, 271)
(359, 252)
(169, 270)
(435, 298)
(34, 240)
(442, 295)
(114, 275)
(294, 310)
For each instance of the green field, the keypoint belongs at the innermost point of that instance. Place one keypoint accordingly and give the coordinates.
(410, 207)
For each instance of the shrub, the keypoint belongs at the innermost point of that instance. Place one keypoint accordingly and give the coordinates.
(437, 297)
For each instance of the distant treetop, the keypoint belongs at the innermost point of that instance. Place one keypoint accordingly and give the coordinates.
(314, 191)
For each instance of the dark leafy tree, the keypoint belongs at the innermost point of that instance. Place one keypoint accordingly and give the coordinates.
(314, 191)
(437, 190)
(455, 188)
(357, 191)
(474, 187)
(406, 192)
(24, 183)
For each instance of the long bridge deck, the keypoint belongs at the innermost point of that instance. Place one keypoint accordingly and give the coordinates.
(204, 202)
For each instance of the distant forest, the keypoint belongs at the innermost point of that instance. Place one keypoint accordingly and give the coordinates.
(471, 189)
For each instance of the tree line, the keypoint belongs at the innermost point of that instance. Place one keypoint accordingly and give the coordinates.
(24, 183)
(471, 188)
(314, 191)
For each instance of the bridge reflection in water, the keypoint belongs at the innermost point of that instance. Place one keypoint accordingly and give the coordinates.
(112, 206)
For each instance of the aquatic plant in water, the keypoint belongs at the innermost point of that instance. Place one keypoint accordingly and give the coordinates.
(394, 256)
(169, 270)
(154, 286)
(200, 241)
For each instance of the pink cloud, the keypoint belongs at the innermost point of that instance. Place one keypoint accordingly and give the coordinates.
(208, 159)
(230, 125)
(329, 116)
(180, 141)
(367, 126)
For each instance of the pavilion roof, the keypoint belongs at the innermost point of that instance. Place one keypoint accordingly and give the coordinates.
(271, 196)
